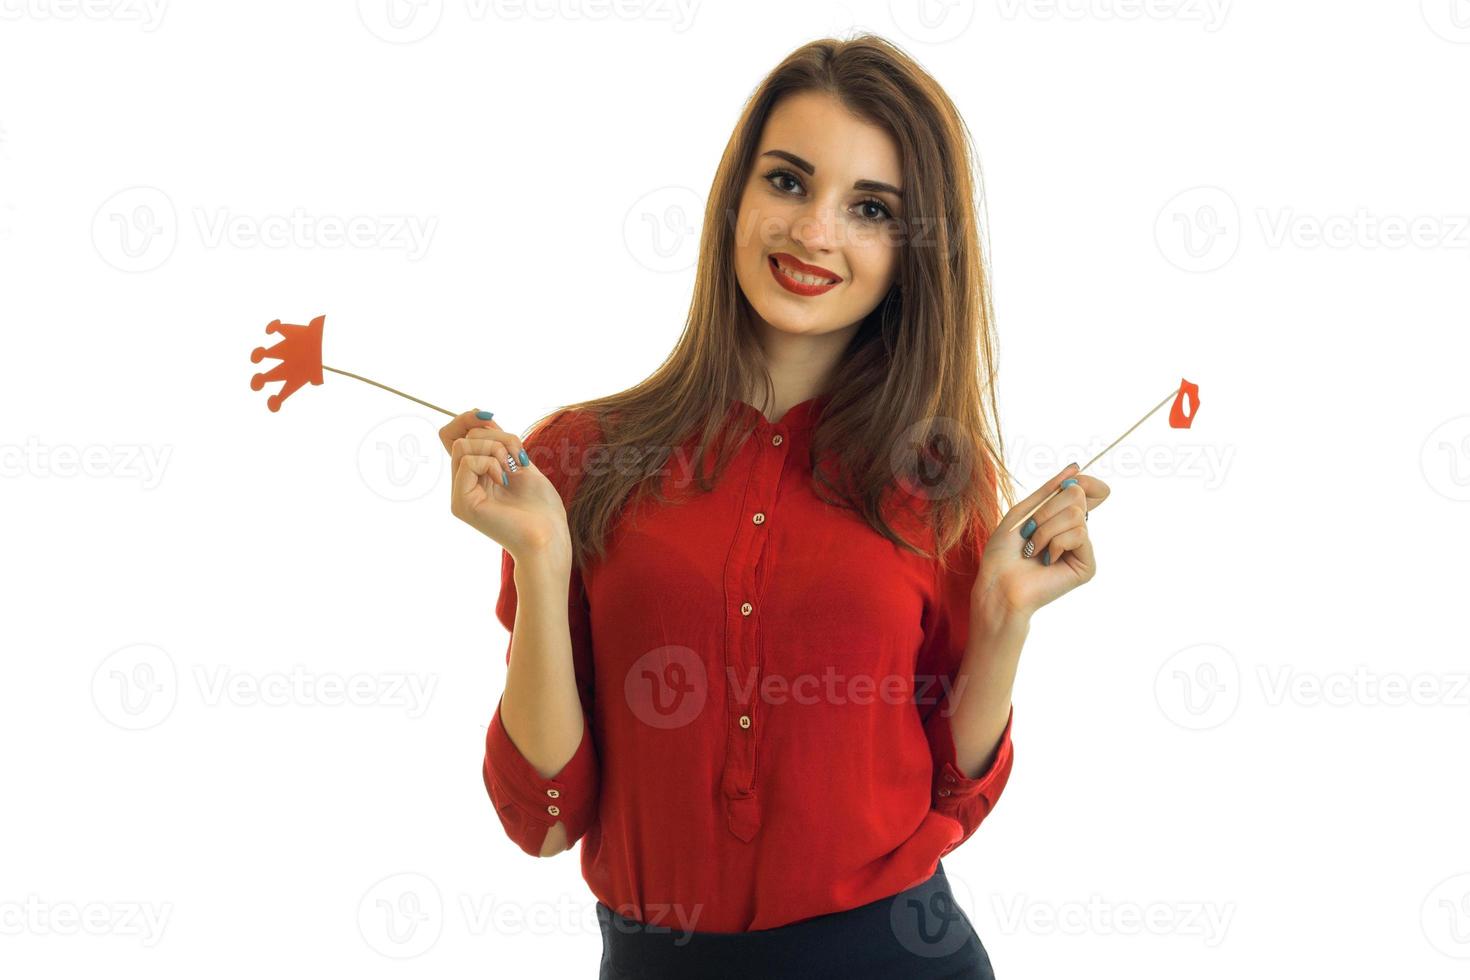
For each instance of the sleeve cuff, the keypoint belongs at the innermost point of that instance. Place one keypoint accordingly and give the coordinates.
(528, 803)
(952, 788)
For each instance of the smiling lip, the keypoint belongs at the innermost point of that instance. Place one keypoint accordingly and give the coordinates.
(779, 259)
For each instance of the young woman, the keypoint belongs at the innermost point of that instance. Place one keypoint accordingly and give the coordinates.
(761, 658)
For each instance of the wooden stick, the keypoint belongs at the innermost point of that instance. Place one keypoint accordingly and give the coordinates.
(394, 390)
(1167, 399)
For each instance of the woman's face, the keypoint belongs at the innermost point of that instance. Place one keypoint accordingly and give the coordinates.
(823, 191)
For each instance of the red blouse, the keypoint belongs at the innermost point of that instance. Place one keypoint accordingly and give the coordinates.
(764, 680)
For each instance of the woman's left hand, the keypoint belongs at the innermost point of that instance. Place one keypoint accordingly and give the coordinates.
(1010, 584)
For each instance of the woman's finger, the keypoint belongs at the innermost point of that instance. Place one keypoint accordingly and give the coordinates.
(462, 423)
(466, 446)
(1096, 490)
(1084, 554)
(1072, 539)
(512, 442)
(493, 448)
(468, 469)
(1072, 496)
(1063, 520)
(1040, 494)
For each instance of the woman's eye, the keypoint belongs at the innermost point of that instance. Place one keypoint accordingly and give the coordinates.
(775, 178)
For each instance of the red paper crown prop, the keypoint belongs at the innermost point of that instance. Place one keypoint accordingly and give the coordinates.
(300, 352)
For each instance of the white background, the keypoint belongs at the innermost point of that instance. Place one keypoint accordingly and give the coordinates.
(1209, 736)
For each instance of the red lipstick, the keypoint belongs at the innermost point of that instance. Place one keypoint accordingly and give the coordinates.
(790, 261)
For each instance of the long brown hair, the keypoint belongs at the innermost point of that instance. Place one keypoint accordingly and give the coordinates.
(919, 369)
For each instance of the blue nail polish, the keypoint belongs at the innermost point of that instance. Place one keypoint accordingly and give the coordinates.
(484, 415)
(1028, 528)
(1046, 557)
(1070, 481)
(504, 478)
(525, 460)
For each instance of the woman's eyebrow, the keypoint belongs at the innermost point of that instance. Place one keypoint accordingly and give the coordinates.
(861, 185)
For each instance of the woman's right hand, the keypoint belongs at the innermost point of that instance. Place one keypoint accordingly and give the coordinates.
(524, 517)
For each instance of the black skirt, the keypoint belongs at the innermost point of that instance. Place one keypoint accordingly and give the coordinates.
(919, 934)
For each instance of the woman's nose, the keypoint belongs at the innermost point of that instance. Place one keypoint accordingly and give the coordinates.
(816, 227)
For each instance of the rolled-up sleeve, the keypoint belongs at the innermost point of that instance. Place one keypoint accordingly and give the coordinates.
(528, 803)
(968, 801)
(946, 634)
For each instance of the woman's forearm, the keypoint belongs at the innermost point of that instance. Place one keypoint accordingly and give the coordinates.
(540, 709)
(980, 701)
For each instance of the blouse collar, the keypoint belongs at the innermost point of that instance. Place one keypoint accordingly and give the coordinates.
(801, 417)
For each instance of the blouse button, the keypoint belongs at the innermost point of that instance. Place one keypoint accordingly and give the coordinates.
(944, 792)
(759, 518)
(553, 793)
(745, 608)
(745, 721)
(776, 439)
(553, 810)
